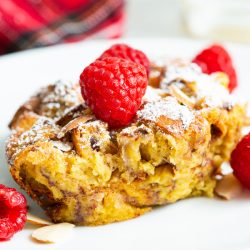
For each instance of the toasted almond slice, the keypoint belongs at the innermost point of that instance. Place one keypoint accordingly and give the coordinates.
(33, 219)
(228, 187)
(53, 233)
(74, 124)
(65, 147)
(181, 96)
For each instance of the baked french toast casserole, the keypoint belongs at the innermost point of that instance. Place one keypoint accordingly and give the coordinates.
(81, 170)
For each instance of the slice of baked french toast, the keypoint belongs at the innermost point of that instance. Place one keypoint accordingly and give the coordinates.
(81, 171)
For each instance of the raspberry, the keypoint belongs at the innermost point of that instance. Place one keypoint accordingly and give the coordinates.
(113, 88)
(126, 52)
(13, 207)
(240, 161)
(215, 58)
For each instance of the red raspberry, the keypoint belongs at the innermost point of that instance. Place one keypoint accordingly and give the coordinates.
(215, 58)
(126, 52)
(240, 161)
(13, 212)
(113, 87)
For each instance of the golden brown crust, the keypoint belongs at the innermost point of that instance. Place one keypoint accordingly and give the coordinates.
(52, 101)
(25, 116)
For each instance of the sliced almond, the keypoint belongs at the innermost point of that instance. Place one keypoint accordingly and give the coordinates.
(228, 187)
(181, 96)
(65, 147)
(74, 124)
(54, 233)
(33, 219)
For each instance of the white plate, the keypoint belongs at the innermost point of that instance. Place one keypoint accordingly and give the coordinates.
(198, 223)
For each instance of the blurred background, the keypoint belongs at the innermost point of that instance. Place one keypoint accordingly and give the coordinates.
(26, 24)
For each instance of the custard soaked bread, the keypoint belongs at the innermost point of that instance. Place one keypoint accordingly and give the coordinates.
(81, 171)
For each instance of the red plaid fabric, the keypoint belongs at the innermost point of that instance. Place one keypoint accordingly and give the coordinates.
(34, 23)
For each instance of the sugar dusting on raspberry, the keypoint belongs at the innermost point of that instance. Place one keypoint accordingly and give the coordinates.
(207, 86)
(216, 58)
(168, 107)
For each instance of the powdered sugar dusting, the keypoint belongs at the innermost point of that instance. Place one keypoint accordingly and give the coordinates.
(207, 86)
(168, 107)
(135, 130)
(62, 91)
(95, 134)
(37, 133)
(189, 73)
(58, 98)
(152, 94)
(214, 93)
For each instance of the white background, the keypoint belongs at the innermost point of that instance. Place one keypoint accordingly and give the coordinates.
(154, 18)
